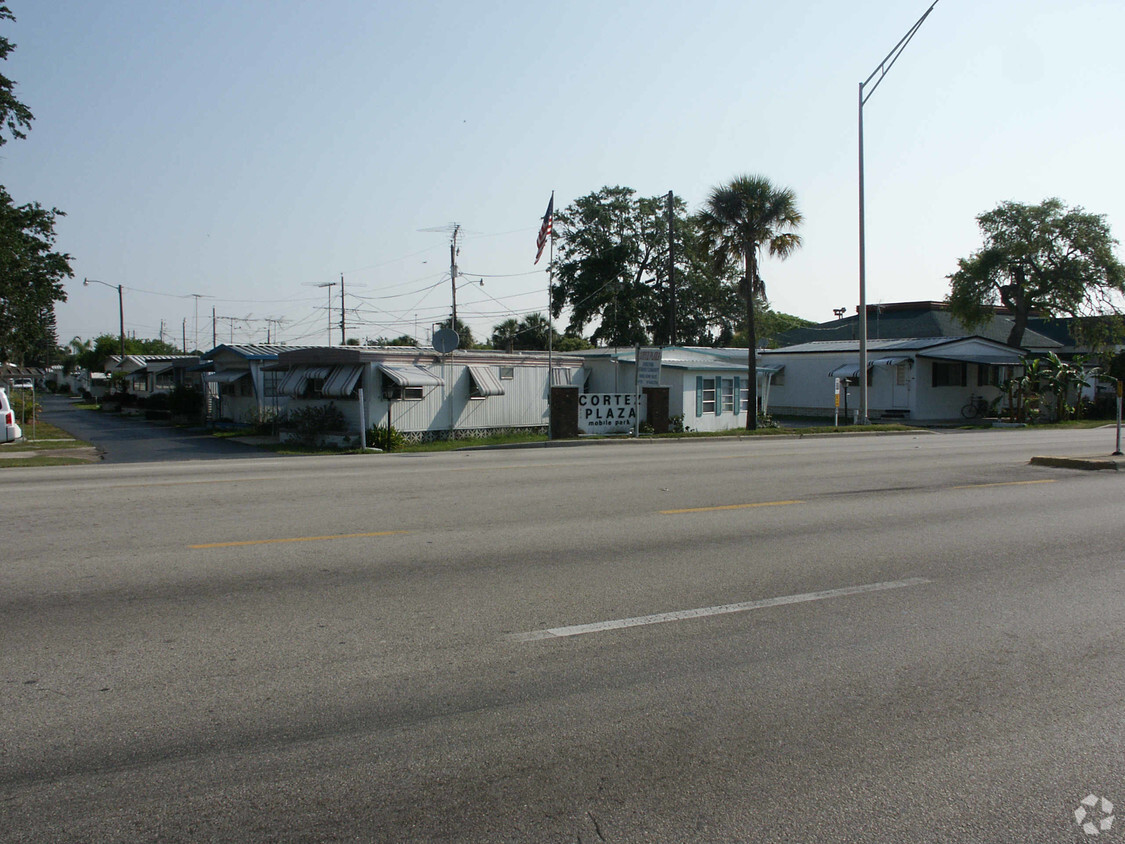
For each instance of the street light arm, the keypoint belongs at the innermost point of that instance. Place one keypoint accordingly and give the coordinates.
(892, 57)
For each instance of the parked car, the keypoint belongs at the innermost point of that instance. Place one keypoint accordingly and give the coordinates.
(10, 430)
(22, 384)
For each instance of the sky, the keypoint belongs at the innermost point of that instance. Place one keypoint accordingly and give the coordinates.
(229, 157)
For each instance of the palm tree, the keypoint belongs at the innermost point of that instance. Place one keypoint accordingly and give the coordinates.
(740, 219)
(504, 335)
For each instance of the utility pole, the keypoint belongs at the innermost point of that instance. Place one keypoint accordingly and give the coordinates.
(329, 285)
(343, 331)
(185, 334)
(453, 273)
(214, 332)
(671, 273)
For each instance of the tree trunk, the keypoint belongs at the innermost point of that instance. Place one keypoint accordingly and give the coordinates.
(751, 339)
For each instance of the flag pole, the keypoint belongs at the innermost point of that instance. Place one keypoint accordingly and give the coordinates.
(550, 320)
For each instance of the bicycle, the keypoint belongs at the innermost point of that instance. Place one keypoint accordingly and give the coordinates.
(976, 408)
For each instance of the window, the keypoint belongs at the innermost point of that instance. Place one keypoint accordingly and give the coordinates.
(902, 374)
(992, 376)
(270, 380)
(708, 395)
(394, 392)
(726, 392)
(948, 374)
(743, 399)
(507, 373)
(314, 387)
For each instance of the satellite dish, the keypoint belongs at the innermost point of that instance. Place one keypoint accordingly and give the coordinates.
(446, 340)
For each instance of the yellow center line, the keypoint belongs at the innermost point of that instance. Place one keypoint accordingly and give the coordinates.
(1007, 483)
(729, 507)
(299, 539)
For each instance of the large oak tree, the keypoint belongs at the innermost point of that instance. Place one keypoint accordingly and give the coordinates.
(1043, 259)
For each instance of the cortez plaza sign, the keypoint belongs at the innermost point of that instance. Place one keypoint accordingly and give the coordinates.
(608, 413)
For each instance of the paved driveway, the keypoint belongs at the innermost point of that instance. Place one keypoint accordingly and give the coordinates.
(125, 439)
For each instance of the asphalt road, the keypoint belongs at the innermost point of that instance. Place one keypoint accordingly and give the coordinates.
(124, 439)
(886, 639)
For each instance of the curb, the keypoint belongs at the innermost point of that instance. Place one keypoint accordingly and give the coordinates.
(1086, 463)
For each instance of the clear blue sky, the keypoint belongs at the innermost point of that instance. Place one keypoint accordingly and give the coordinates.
(247, 150)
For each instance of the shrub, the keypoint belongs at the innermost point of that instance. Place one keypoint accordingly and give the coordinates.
(385, 437)
(309, 425)
(186, 401)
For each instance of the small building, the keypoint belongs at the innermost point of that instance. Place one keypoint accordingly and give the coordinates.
(425, 395)
(707, 387)
(149, 374)
(923, 379)
(240, 382)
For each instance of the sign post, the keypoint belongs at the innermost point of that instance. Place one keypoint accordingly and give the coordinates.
(836, 420)
(1120, 385)
(647, 365)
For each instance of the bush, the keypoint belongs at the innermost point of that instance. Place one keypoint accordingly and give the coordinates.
(185, 401)
(385, 437)
(309, 425)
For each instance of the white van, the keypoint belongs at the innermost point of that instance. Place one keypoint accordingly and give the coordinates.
(9, 430)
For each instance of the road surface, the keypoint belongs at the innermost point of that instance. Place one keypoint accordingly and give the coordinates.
(874, 638)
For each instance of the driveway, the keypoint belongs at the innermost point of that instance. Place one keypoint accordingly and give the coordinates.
(123, 439)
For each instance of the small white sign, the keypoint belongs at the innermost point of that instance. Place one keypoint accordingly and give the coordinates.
(608, 413)
(648, 366)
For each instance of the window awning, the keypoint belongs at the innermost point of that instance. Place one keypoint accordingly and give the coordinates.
(293, 384)
(891, 361)
(342, 381)
(847, 370)
(228, 376)
(411, 376)
(485, 381)
(997, 358)
(561, 376)
(771, 368)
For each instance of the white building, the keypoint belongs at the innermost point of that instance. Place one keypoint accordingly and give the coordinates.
(929, 379)
(426, 395)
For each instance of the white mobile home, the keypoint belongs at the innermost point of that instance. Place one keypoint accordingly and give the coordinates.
(926, 379)
(426, 395)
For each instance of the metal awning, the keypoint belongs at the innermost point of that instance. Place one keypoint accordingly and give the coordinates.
(411, 376)
(293, 384)
(847, 370)
(997, 358)
(158, 368)
(342, 381)
(891, 361)
(485, 381)
(561, 376)
(771, 368)
(228, 376)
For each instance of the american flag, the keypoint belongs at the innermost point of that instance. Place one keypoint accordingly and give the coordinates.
(545, 229)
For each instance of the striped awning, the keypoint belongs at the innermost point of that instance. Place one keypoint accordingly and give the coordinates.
(847, 370)
(891, 361)
(485, 381)
(342, 381)
(411, 375)
(293, 384)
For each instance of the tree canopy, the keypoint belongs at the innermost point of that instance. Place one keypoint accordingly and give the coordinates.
(611, 270)
(740, 219)
(31, 272)
(1043, 259)
(93, 354)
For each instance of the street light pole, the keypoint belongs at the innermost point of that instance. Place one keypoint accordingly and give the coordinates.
(880, 71)
(86, 282)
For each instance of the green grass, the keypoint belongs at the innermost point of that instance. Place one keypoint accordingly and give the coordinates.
(44, 431)
(43, 460)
